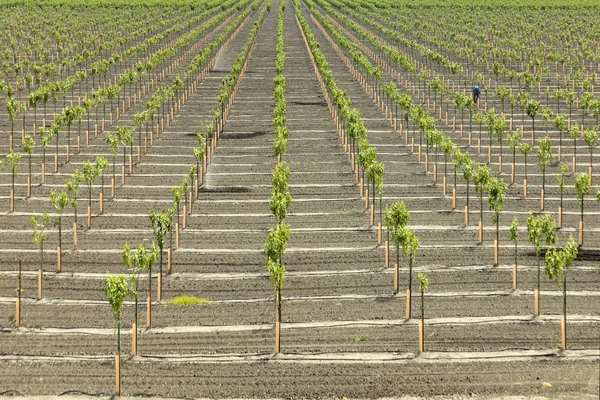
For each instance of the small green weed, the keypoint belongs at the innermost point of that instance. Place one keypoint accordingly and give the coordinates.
(185, 301)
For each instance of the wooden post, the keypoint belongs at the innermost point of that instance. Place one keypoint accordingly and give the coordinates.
(159, 287)
(542, 200)
(495, 252)
(28, 187)
(512, 174)
(559, 217)
(379, 234)
(112, 187)
(408, 304)
(480, 232)
(58, 260)
(19, 288)
(466, 215)
(434, 173)
(536, 302)
(419, 159)
(169, 259)
(426, 162)
(184, 216)
(101, 203)
(396, 278)
(361, 187)
(366, 191)
(525, 187)
(176, 235)
(122, 175)
(12, 200)
(74, 234)
(445, 185)
(421, 337)
(118, 375)
(148, 313)
(453, 198)
(500, 164)
(372, 219)
(133, 339)
(514, 276)
(563, 333)
(387, 253)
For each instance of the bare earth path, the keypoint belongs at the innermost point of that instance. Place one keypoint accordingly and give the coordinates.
(344, 332)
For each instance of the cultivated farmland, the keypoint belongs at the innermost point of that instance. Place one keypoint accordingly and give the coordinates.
(300, 198)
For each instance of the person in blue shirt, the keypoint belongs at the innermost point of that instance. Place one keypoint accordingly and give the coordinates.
(476, 93)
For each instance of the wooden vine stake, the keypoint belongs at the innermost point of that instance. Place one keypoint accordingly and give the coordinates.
(134, 334)
(19, 290)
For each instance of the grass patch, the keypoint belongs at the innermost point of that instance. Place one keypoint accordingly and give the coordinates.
(358, 339)
(185, 301)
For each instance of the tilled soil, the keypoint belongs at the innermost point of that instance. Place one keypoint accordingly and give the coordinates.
(338, 300)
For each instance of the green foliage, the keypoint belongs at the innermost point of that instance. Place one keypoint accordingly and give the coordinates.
(560, 178)
(582, 185)
(280, 178)
(514, 231)
(117, 288)
(162, 223)
(497, 189)
(396, 219)
(590, 137)
(281, 198)
(124, 136)
(545, 155)
(574, 131)
(481, 178)
(45, 137)
(558, 262)
(274, 247)
(547, 114)
(28, 144)
(466, 164)
(366, 154)
(186, 301)
(113, 142)
(514, 139)
(542, 225)
(559, 122)
(73, 182)
(90, 173)
(38, 223)
(13, 159)
(525, 148)
(423, 281)
(279, 203)
(410, 243)
(532, 107)
(101, 165)
(375, 173)
(59, 200)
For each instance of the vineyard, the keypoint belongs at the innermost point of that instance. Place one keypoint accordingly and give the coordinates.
(300, 198)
